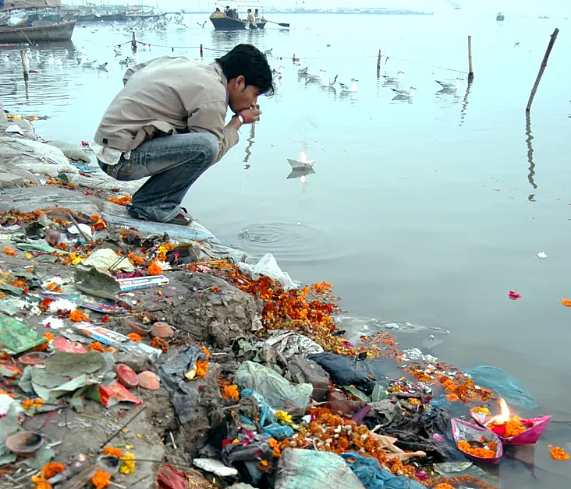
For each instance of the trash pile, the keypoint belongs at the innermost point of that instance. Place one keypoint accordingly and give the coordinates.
(134, 359)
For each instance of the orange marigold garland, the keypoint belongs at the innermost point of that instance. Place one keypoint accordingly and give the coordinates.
(134, 337)
(51, 469)
(201, 368)
(155, 269)
(113, 452)
(487, 451)
(101, 479)
(230, 392)
(77, 316)
(558, 453)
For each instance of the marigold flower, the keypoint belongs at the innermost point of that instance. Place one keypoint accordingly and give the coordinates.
(33, 403)
(9, 251)
(96, 346)
(51, 469)
(283, 417)
(206, 351)
(155, 269)
(160, 344)
(77, 316)
(488, 451)
(452, 397)
(40, 483)
(134, 337)
(113, 452)
(101, 479)
(443, 486)
(124, 200)
(128, 463)
(566, 302)
(201, 368)
(481, 410)
(558, 453)
(231, 393)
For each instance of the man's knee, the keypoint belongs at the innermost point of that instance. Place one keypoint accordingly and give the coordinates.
(209, 147)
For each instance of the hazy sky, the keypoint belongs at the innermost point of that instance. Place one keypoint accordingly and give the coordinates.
(560, 8)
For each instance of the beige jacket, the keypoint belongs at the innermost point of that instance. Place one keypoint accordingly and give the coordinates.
(167, 96)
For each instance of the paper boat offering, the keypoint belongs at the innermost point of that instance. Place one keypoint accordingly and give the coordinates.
(302, 164)
(512, 430)
(476, 442)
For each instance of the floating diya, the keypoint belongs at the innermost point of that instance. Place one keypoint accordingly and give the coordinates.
(477, 442)
(512, 429)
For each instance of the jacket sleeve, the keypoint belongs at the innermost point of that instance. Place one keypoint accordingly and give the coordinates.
(210, 117)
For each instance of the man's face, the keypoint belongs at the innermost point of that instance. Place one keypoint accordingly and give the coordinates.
(241, 96)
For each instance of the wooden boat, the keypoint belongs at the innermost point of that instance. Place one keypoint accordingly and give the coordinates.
(500, 17)
(231, 24)
(40, 31)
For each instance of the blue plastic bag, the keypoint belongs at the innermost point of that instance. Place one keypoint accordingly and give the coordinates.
(372, 476)
(267, 419)
(503, 384)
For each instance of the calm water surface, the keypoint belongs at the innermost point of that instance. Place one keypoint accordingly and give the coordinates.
(428, 212)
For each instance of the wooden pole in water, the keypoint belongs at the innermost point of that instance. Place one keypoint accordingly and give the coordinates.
(24, 66)
(542, 69)
(379, 63)
(201, 51)
(470, 68)
(134, 43)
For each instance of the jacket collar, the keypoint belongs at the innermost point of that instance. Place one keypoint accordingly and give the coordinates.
(223, 80)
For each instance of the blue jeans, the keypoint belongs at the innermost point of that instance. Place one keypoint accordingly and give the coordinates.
(174, 163)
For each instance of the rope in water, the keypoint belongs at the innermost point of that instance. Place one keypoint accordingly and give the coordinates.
(368, 56)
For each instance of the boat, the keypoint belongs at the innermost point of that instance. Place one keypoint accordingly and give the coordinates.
(500, 17)
(34, 29)
(230, 24)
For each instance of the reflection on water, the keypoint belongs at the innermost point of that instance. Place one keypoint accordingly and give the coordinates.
(528, 140)
(464, 109)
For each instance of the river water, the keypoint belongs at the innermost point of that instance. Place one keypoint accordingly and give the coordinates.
(428, 211)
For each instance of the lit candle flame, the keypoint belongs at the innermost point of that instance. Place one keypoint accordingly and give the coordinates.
(505, 415)
(302, 179)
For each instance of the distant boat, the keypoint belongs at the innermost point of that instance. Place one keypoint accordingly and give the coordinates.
(232, 24)
(39, 30)
(500, 17)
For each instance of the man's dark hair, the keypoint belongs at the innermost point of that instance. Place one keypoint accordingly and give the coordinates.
(251, 63)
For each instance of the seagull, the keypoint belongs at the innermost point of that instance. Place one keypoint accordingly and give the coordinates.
(117, 52)
(268, 52)
(329, 83)
(89, 64)
(393, 79)
(102, 66)
(42, 64)
(302, 71)
(58, 61)
(314, 78)
(404, 93)
(202, 25)
(51, 59)
(6, 59)
(516, 44)
(446, 86)
(347, 88)
(126, 61)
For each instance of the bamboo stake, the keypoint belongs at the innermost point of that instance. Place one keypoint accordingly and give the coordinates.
(379, 63)
(542, 68)
(470, 68)
(134, 43)
(24, 66)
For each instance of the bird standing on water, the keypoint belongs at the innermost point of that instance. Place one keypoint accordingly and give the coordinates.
(349, 89)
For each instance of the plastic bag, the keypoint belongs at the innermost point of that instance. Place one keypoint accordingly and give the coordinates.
(309, 469)
(503, 384)
(363, 374)
(305, 370)
(289, 344)
(268, 266)
(372, 476)
(278, 392)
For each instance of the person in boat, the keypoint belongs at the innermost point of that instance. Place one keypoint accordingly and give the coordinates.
(256, 15)
(226, 9)
(168, 123)
(250, 18)
(217, 14)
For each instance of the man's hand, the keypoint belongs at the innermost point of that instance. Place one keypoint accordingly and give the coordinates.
(250, 115)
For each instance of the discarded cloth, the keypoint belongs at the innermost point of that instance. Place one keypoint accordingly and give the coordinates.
(372, 476)
(309, 469)
(289, 344)
(363, 374)
(278, 392)
(305, 370)
(503, 384)
(183, 395)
